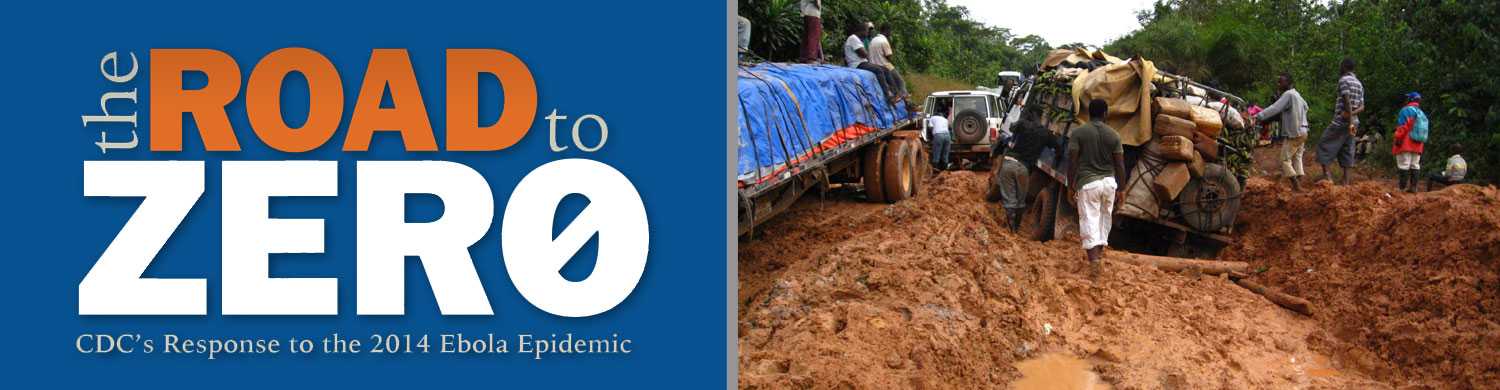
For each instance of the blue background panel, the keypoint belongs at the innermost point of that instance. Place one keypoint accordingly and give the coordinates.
(653, 72)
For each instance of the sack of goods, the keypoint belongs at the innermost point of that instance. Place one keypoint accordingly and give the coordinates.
(1207, 145)
(1197, 165)
(1208, 121)
(1172, 107)
(1170, 182)
(1166, 125)
(1176, 148)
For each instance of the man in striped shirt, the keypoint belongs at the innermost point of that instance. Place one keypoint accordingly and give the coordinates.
(1337, 142)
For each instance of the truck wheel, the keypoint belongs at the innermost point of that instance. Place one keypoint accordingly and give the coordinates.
(918, 166)
(1046, 213)
(874, 189)
(896, 170)
(1211, 202)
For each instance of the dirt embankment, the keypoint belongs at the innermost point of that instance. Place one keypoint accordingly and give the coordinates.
(1407, 285)
(932, 292)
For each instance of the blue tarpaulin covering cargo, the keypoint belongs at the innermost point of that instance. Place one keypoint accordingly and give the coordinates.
(790, 113)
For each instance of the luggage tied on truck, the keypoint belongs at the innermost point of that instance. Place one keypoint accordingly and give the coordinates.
(1177, 134)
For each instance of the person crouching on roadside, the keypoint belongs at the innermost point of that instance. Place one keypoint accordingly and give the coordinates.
(1411, 133)
(1454, 172)
(1096, 166)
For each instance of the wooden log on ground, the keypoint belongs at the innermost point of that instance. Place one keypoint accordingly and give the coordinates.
(1174, 264)
(1275, 296)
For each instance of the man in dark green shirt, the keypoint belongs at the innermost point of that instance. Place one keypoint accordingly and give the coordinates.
(1096, 166)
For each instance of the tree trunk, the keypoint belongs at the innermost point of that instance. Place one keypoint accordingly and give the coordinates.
(1173, 264)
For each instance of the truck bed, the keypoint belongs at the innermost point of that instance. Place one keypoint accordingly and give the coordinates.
(793, 116)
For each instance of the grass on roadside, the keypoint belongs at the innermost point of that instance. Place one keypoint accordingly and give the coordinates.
(920, 85)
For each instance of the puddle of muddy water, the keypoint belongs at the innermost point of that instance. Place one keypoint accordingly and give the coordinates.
(1320, 366)
(1056, 371)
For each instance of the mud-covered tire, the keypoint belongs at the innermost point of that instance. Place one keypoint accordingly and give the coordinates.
(918, 166)
(870, 172)
(1047, 213)
(1210, 203)
(896, 171)
(969, 127)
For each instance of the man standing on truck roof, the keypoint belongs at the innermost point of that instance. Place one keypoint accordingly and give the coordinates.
(880, 54)
(1096, 166)
(812, 31)
(744, 36)
(1018, 177)
(942, 138)
(1338, 139)
(1292, 111)
(856, 57)
(1406, 145)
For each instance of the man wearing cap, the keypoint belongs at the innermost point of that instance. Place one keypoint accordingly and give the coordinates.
(1406, 148)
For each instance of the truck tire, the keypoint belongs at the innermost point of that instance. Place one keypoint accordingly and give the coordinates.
(1046, 213)
(896, 170)
(870, 172)
(918, 166)
(1211, 202)
(969, 127)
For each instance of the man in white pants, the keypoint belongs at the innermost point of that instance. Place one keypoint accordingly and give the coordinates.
(1291, 109)
(1096, 166)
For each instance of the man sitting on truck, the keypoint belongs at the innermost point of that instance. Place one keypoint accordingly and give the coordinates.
(1018, 174)
(1096, 166)
(880, 54)
(856, 57)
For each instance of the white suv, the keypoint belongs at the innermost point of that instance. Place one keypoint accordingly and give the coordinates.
(974, 118)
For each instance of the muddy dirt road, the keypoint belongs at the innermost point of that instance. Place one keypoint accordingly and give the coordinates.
(1408, 284)
(933, 293)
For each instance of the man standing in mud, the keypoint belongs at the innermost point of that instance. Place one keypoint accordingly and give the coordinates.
(1096, 166)
(1337, 142)
(1292, 112)
(1018, 170)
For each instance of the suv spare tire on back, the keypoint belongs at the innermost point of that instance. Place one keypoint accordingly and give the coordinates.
(969, 127)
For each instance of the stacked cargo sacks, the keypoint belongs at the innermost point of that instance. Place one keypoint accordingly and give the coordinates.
(1183, 143)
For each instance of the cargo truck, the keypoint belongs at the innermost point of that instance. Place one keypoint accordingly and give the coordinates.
(1184, 218)
(811, 127)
